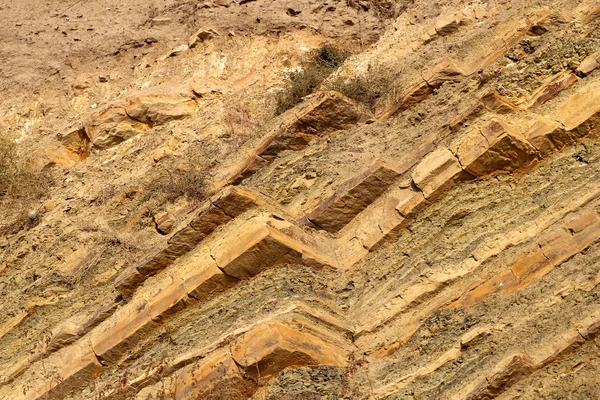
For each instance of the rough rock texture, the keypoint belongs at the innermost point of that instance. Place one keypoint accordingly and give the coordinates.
(440, 240)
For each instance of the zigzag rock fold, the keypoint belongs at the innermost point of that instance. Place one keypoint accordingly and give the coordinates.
(440, 242)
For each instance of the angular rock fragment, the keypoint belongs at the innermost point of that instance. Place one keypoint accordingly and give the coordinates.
(268, 349)
(580, 113)
(158, 110)
(587, 66)
(202, 35)
(371, 184)
(317, 116)
(113, 126)
(493, 148)
(437, 172)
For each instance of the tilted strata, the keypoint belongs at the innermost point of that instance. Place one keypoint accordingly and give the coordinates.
(492, 214)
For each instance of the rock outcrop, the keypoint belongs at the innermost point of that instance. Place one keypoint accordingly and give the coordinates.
(442, 242)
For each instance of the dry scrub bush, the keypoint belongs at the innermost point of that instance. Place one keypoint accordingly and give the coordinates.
(368, 89)
(315, 68)
(171, 185)
(21, 187)
(244, 115)
(18, 180)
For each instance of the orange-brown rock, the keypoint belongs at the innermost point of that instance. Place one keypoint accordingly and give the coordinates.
(343, 207)
(579, 112)
(436, 172)
(56, 377)
(113, 126)
(494, 148)
(158, 110)
(268, 349)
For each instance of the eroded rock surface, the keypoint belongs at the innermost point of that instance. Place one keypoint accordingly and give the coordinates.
(438, 238)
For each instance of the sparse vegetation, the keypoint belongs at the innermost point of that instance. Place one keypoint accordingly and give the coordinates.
(21, 188)
(180, 182)
(243, 115)
(315, 68)
(18, 179)
(367, 89)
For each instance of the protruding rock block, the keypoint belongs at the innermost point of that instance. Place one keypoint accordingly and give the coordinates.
(339, 212)
(57, 376)
(128, 281)
(409, 202)
(590, 64)
(495, 102)
(136, 319)
(580, 112)
(158, 110)
(254, 250)
(118, 123)
(447, 24)
(444, 72)
(315, 117)
(202, 277)
(551, 88)
(438, 171)
(222, 208)
(327, 112)
(414, 95)
(113, 126)
(65, 333)
(507, 372)
(372, 224)
(547, 135)
(493, 149)
(268, 349)
(76, 144)
(217, 373)
(548, 21)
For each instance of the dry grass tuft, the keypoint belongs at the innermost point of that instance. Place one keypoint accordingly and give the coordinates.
(18, 180)
(315, 68)
(171, 185)
(21, 189)
(368, 89)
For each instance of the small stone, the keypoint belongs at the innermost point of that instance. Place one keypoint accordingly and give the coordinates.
(174, 52)
(164, 222)
(202, 35)
(161, 21)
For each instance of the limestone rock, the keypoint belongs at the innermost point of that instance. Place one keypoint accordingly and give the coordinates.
(173, 52)
(436, 171)
(158, 110)
(493, 148)
(269, 349)
(201, 35)
(113, 126)
(164, 222)
(588, 65)
(160, 21)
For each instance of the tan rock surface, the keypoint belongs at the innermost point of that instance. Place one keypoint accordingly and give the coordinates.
(429, 229)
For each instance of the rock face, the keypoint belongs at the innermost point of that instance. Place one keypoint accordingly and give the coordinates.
(117, 124)
(441, 242)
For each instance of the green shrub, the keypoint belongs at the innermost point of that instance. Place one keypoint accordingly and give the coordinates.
(315, 68)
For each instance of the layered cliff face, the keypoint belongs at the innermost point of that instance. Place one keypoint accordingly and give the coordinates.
(423, 225)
